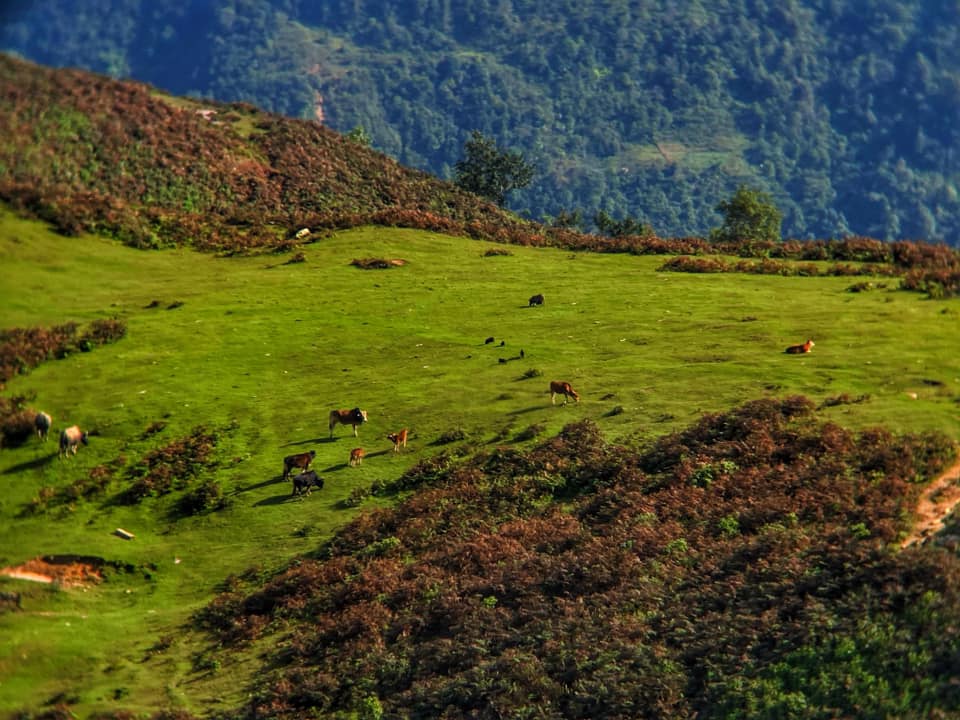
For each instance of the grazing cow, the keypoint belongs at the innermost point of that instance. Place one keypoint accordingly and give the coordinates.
(800, 349)
(303, 233)
(70, 439)
(356, 456)
(306, 480)
(300, 460)
(488, 340)
(42, 423)
(353, 417)
(13, 598)
(398, 439)
(536, 300)
(562, 388)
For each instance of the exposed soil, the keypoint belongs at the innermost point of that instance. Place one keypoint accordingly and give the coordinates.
(936, 503)
(67, 570)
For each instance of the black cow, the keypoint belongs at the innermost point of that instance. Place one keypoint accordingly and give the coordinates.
(536, 300)
(306, 480)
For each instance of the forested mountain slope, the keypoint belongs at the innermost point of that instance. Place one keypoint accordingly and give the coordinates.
(844, 110)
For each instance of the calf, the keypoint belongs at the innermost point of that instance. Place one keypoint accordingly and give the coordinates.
(42, 423)
(562, 388)
(398, 439)
(303, 482)
(300, 460)
(536, 300)
(800, 349)
(353, 417)
(70, 439)
(356, 456)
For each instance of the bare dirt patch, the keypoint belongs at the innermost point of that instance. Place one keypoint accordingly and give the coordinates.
(936, 503)
(65, 570)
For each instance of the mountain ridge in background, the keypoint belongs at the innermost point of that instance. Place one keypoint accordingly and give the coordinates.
(845, 111)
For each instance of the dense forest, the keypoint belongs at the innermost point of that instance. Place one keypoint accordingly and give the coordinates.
(844, 111)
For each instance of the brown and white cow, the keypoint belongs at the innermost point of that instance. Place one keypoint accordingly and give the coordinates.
(356, 456)
(800, 349)
(562, 388)
(353, 417)
(398, 439)
(70, 439)
(300, 460)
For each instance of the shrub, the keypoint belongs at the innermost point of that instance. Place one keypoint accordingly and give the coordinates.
(205, 497)
(749, 216)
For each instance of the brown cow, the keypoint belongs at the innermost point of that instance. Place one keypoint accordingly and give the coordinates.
(800, 349)
(353, 417)
(398, 439)
(562, 388)
(300, 460)
(356, 456)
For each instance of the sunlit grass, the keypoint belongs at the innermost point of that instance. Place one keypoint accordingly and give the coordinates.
(260, 351)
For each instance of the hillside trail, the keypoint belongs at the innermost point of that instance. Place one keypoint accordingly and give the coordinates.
(936, 502)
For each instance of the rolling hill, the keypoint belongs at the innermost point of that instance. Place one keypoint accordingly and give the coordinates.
(714, 529)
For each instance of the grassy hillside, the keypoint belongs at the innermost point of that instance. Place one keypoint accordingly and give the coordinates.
(257, 350)
(85, 152)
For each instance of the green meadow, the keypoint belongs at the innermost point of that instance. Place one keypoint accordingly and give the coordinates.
(259, 350)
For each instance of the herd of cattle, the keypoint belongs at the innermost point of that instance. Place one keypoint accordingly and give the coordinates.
(305, 481)
(70, 438)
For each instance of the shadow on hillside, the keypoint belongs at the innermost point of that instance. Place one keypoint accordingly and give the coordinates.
(524, 411)
(293, 443)
(257, 486)
(275, 500)
(30, 464)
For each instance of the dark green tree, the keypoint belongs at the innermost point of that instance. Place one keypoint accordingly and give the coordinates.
(749, 215)
(490, 172)
(620, 228)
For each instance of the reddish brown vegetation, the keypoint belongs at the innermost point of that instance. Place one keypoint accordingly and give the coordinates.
(172, 466)
(22, 349)
(590, 580)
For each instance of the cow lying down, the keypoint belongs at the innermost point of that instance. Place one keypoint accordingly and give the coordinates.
(303, 482)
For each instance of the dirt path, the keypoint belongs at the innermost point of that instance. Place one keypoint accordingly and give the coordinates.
(936, 503)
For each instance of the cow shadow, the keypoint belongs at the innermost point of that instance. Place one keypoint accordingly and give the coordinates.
(311, 441)
(524, 411)
(30, 464)
(257, 486)
(275, 500)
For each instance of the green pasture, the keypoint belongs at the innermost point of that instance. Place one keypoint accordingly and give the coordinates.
(260, 350)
